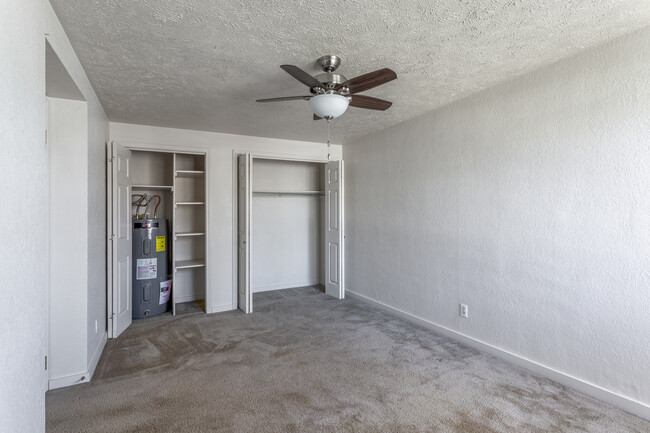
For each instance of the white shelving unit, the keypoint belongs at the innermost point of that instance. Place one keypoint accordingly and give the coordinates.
(189, 235)
(180, 179)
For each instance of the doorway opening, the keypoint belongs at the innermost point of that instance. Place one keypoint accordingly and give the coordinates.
(67, 146)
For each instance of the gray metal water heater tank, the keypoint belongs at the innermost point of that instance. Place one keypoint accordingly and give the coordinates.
(151, 282)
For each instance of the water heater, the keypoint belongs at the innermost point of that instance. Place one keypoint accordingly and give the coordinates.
(151, 282)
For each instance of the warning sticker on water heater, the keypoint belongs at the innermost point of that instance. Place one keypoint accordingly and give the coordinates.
(160, 243)
(146, 269)
(165, 291)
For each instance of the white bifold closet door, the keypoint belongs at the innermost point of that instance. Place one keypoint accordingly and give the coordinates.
(244, 198)
(334, 284)
(121, 314)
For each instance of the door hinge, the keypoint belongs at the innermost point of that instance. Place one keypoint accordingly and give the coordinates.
(46, 363)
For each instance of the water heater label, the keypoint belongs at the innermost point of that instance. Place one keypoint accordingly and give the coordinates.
(160, 243)
(165, 291)
(147, 269)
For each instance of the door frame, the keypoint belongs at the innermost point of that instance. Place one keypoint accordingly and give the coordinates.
(235, 228)
(146, 146)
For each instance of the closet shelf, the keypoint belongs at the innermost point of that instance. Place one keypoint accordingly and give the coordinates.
(190, 173)
(189, 264)
(188, 234)
(190, 203)
(265, 192)
(152, 187)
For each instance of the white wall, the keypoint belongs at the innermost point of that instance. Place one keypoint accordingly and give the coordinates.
(530, 202)
(221, 194)
(286, 248)
(68, 144)
(23, 212)
(92, 168)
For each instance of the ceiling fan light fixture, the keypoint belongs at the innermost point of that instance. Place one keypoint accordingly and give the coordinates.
(333, 93)
(329, 105)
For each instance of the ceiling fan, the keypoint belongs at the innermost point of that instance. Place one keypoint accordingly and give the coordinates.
(331, 93)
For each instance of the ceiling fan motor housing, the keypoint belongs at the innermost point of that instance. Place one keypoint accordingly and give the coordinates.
(330, 81)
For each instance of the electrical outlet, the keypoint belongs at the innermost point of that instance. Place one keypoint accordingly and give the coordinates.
(463, 310)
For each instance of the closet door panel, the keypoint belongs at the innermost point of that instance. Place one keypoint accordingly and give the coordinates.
(121, 239)
(334, 229)
(244, 296)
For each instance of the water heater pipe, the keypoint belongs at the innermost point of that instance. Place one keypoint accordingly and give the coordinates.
(155, 211)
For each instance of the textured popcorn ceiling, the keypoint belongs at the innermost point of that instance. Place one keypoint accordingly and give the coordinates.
(200, 64)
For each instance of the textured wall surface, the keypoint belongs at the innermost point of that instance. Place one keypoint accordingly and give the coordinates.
(23, 213)
(530, 203)
(200, 64)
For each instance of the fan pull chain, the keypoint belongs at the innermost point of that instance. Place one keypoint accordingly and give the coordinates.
(329, 155)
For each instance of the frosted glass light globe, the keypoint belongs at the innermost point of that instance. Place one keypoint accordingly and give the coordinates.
(329, 105)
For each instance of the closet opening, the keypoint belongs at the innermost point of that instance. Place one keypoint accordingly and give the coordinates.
(289, 227)
(158, 201)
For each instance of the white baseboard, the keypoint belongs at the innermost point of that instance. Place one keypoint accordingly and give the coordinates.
(77, 378)
(284, 286)
(98, 354)
(221, 308)
(626, 403)
(73, 379)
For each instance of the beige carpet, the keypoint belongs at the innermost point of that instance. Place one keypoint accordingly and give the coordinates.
(305, 362)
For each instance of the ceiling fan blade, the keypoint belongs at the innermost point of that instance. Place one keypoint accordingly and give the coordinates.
(368, 81)
(368, 102)
(302, 76)
(286, 98)
(317, 118)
